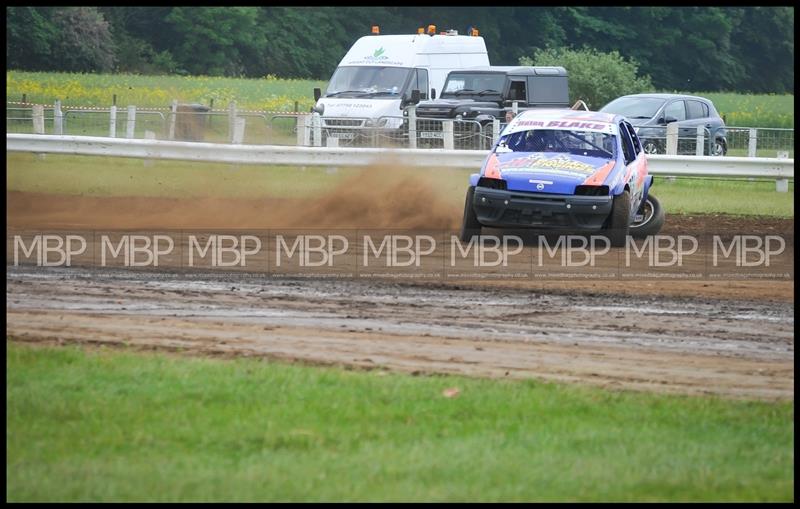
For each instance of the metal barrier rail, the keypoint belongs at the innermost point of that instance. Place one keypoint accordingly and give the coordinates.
(708, 166)
(294, 128)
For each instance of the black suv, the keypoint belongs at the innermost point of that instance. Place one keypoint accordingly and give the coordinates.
(481, 94)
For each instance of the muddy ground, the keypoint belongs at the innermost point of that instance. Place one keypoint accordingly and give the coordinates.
(724, 337)
(677, 345)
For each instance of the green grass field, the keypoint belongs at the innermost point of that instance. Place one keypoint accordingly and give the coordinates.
(77, 89)
(273, 94)
(753, 110)
(99, 176)
(106, 425)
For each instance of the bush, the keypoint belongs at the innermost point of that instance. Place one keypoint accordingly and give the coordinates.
(594, 77)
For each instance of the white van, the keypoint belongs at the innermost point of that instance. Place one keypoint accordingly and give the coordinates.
(374, 80)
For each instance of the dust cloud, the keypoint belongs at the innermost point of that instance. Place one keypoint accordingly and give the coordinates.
(385, 196)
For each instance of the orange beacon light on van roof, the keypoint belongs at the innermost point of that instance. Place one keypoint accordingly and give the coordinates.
(376, 29)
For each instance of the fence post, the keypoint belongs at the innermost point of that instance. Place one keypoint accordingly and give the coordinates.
(303, 139)
(238, 130)
(149, 135)
(782, 185)
(412, 127)
(38, 119)
(515, 107)
(131, 126)
(495, 130)
(58, 119)
(231, 121)
(751, 143)
(701, 134)
(317, 126)
(672, 139)
(173, 113)
(447, 133)
(112, 122)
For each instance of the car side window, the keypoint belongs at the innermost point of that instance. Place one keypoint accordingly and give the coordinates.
(627, 145)
(516, 91)
(676, 110)
(637, 146)
(696, 109)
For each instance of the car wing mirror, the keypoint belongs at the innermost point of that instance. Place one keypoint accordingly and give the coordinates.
(317, 94)
(670, 120)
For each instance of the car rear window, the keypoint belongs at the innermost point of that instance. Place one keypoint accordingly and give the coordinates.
(697, 109)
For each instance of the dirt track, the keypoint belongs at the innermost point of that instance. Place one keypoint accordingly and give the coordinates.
(725, 337)
(738, 349)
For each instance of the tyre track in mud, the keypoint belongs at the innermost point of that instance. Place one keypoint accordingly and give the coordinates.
(736, 348)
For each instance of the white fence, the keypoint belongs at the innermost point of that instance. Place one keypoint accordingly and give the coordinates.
(232, 125)
(780, 169)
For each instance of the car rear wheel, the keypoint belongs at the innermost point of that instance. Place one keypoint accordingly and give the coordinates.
(620, 220)
(648, 219)
(720, 148)
(470, 227)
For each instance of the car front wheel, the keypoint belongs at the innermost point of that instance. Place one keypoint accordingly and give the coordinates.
(652, 147)
(470, 227)
(620, 220)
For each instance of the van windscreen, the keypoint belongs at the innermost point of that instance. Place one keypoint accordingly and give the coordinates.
(359, 81)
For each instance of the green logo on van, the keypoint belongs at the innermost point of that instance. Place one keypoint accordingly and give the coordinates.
(377, 55)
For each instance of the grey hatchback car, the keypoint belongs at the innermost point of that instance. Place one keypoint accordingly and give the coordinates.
(650, 113)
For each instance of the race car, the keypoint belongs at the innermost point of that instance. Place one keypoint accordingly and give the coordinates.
(570, 170)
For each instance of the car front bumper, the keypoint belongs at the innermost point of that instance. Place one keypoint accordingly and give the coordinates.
(514, 209)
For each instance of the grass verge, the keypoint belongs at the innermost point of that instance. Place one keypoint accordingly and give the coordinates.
(715, 196)
(101, 176)
(105, 425)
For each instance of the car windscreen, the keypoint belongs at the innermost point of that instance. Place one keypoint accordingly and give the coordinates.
(361, 81)
(634, 107)
(478, 84)
(580, 143)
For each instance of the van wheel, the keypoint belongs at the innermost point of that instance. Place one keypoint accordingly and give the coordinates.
(470, 227)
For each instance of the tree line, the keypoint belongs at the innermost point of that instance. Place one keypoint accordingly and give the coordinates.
(745, 49)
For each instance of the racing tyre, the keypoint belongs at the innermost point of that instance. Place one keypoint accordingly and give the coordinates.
(648, 219)
(620, 220)
(470, 227)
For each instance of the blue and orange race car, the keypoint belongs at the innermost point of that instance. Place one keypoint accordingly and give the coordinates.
(565, 170)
